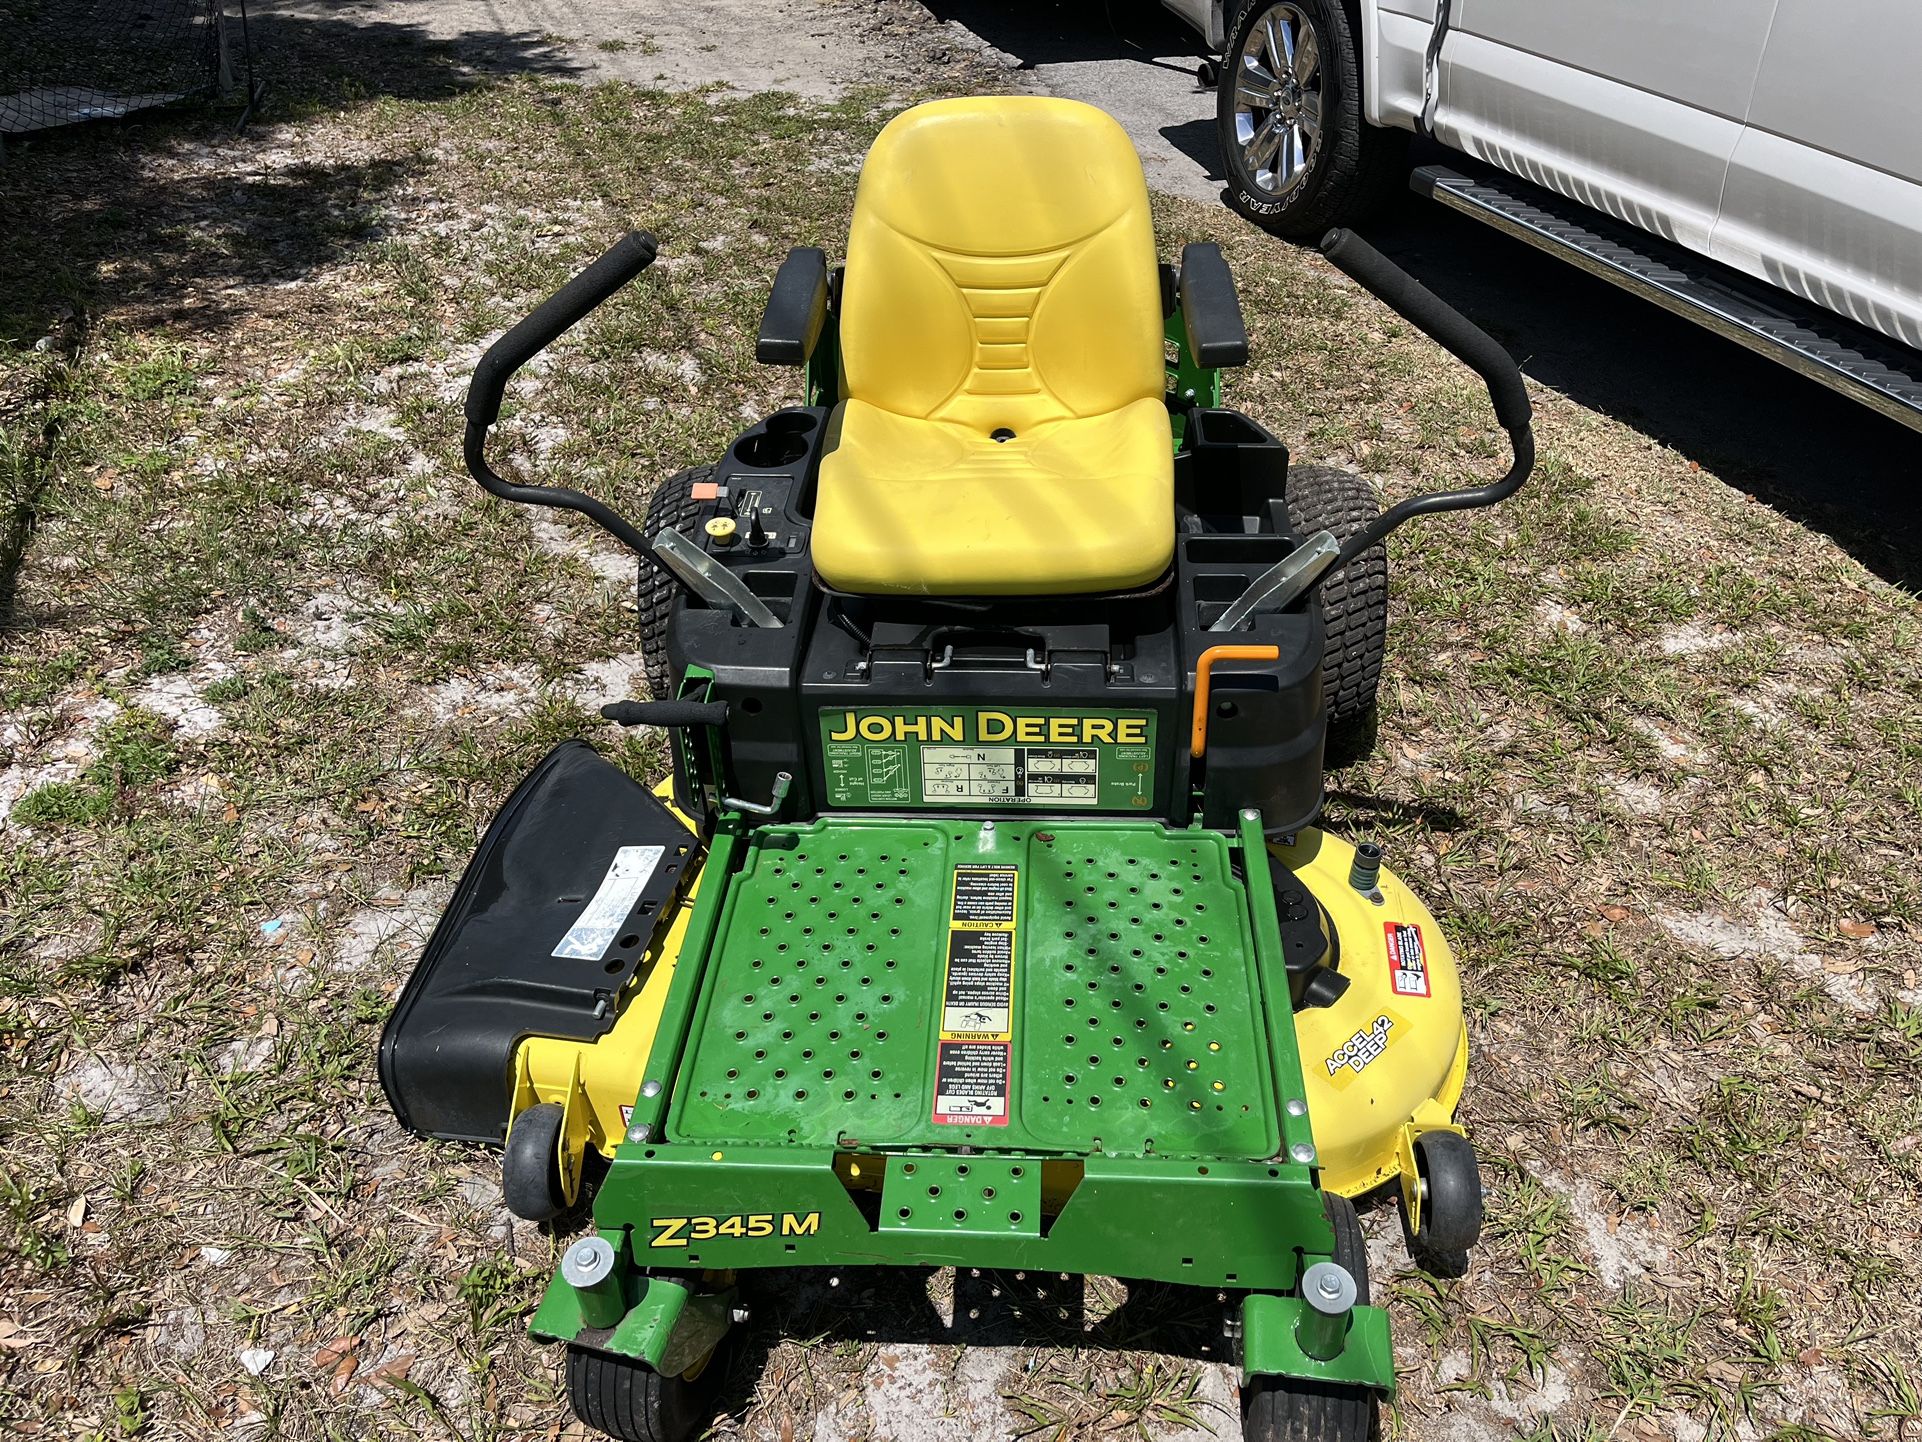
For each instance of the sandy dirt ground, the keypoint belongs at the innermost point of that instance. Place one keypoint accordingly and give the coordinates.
(1651, 754)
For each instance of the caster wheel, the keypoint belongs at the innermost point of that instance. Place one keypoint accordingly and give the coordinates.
(531, 1170)
(631, 1401)
(1451, 1208)
(1288, 1409)
(1208, 74)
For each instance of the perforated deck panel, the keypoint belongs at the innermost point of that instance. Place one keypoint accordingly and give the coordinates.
(1135, 1026)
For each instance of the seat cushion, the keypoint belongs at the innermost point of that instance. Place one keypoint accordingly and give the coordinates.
(1001, 279)
(927, 507)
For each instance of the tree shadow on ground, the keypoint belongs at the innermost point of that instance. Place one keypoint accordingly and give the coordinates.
(1064, 32)
(130, 214)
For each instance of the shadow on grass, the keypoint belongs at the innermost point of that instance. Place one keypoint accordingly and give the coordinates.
(129, 214)
(163, 217)
(1004, 1309)
(1824, 461)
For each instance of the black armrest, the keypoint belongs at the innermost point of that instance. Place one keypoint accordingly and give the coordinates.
(797, 308)
(1210, 309)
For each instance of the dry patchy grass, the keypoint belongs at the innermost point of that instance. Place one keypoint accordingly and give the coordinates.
(1650, 751)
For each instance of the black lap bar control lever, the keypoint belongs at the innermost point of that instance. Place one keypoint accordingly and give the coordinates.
(552, 318)
(1441, 322)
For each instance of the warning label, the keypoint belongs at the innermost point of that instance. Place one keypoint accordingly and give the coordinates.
(1407, 961)
(980, 974)
(972, 1060)
(977, 998)
(971, 1083)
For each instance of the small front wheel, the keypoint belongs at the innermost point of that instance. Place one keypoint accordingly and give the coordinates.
(1290, 1409)
(630, 1400)
(531, 1183)
(1451, 1204)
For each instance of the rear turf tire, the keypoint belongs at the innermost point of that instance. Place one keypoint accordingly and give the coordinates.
(630, 1400)
(1284, 1409)
(673, 504)
(1354, 604)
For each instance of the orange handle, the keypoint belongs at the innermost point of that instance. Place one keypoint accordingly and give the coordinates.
(1199, 742)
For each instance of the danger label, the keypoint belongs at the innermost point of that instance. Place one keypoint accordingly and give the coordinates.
(1362, 1050)
(971, 1083)
(1407, 961)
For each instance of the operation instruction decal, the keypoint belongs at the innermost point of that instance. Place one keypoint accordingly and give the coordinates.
(976, 756)
(973, 1061)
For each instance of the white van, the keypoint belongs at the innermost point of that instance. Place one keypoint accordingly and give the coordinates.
(1781, 139)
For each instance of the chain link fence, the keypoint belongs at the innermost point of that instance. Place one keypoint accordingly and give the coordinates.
(66, 61)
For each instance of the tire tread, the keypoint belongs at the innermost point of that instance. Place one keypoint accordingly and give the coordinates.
(672, 504)
(1361, 167)
(1354, 601)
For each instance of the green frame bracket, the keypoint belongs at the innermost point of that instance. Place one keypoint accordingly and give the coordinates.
(1297, 1131)
(1269, 1347)
(667, 1325)
(1190, 385)
(822, 373)
(1215, 1224)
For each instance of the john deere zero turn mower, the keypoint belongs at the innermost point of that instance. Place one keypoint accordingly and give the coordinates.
(984, 921)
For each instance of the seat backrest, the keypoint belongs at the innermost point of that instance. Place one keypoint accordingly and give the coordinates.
(1001, 266)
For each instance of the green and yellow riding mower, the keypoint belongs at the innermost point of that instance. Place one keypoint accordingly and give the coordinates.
(984, 921)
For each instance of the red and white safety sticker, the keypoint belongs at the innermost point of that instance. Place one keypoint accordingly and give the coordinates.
(1407, 960)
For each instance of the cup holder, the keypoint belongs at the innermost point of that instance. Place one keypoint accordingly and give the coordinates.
(781, 441)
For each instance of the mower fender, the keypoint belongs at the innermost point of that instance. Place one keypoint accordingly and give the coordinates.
(1270, 1346)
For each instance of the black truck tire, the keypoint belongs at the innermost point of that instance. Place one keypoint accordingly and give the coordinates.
(1288, 1409)
(1354, 168)
(672, 504)
(1354, 602)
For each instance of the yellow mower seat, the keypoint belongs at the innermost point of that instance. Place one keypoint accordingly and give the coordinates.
(1003, 430)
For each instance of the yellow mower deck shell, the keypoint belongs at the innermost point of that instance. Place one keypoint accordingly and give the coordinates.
(1366, 1081)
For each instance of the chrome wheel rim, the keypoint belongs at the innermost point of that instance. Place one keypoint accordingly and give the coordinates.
(1278, 100)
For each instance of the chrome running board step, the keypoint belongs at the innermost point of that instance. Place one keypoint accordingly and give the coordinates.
(1859, 363)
